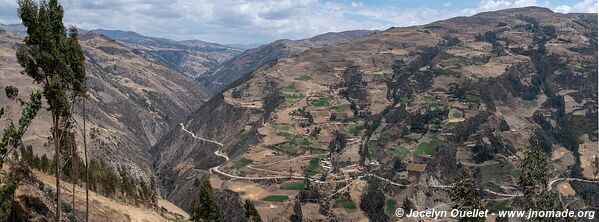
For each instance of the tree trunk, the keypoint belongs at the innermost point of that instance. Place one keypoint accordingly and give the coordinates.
(86, 164)
(57, 167)
(73, 174)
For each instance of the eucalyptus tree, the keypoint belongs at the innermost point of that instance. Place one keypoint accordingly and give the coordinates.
(52, 57)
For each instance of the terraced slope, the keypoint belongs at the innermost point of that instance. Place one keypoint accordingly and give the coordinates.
(220, 77)
(415, 106)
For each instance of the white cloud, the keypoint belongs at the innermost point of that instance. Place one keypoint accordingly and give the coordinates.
(588, 6)
(251, 21)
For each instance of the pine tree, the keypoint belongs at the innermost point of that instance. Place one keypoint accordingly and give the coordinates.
(52, 57)
(204, 207)
(251, 214)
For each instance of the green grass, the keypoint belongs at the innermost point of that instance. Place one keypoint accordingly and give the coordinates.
(242, 163)
(456, 115)
(352, 129)
(323, 101)
(303, 78)
(386, 136)
(294, 186)
(390, 206)
(413, 136)
(501, 205)
(290, 89)
(583, 69)
(401, 152)
(344, 203)
(473, 98)
(312, 167)
(428, 148)
(276, 198)
(372, 149)
(530, 103)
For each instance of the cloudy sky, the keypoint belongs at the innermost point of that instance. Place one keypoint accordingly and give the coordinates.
(261, 21)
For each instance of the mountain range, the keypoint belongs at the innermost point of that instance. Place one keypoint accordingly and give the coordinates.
(342, 126)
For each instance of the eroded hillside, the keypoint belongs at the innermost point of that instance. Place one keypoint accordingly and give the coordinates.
(134, 100)
(406, 111)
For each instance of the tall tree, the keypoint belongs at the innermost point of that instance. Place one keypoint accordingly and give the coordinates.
(52, 57)
(251, 214)
(373, 202)
(536, 171)
(466, 198)
(86, 163)
(204, 207)
(296, 216)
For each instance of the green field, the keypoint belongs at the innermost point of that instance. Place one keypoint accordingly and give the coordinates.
(345, 203)
(401, 152)
(390, 206)
(276, 198)
(456, 115)
(372, 149)
(294, 186)
(500, 173)
(322, 101)
(530, 103)
(312, 168)
(428, 148)
(298, 140)
(244, 134)
(473, 98)
(293, 98)
(290, 89)
(242, 163)
(413, 136)
(501, 205)
(303, 78)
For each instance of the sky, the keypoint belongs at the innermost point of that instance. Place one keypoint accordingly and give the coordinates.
(263, 21)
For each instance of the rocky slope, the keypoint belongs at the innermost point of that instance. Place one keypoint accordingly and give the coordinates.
(192, 57)
(418, 106)
(134, 100)
(234, 69)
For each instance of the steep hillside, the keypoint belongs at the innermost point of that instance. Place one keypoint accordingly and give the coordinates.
(402, 111)
(192, 57)
(133, 101)
(34, 202)
(234, 69)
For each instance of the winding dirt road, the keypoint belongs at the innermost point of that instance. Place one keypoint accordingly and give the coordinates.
(223, 155)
